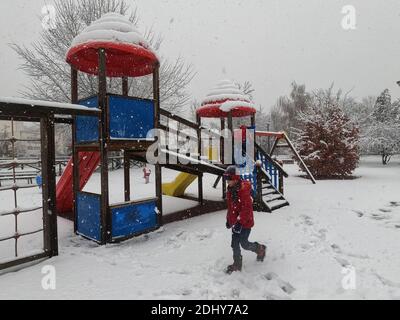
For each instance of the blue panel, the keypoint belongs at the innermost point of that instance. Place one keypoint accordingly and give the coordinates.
(133, 219)
(130, 118)
(89, 213)
(87, 128)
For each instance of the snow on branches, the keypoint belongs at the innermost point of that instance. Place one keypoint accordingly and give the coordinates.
(381, 134)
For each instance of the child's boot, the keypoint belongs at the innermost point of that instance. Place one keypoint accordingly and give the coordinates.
(236, 266)
(261, 252)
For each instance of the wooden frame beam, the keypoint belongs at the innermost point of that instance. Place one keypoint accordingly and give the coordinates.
(75, 155)
(157, 118)
(127, 178)
(49, 186)
(106, 222)
(230, 127)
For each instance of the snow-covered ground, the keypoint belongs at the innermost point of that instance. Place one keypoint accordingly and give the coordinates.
(311, 246)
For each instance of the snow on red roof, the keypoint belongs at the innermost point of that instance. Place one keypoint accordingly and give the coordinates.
(224, 98)
(127, 52)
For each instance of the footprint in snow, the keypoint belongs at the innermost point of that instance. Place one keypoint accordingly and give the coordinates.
(307, 220)
(321, 235)
(306, 247)
(395, 203)
(343, 262)
(360, 214)
(336, 248)
(379, 217)
(285, 286)
(235, 294)
(205, 234)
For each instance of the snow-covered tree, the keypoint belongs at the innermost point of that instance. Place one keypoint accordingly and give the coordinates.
(284, 115)
(263, 119)
(247, 88)
(383, 107)
(327, 138)
(359, 111)
(44, 62)
(382, 132)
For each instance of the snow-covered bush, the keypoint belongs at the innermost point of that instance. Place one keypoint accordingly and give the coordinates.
(327, 139)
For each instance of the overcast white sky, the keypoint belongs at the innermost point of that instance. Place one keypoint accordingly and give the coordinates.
(268, 42)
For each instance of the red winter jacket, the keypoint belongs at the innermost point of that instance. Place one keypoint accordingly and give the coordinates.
(242, 210)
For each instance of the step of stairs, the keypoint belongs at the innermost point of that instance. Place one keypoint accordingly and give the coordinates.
(269, 192)
(268, 187)
(277, 204)
(272, 198)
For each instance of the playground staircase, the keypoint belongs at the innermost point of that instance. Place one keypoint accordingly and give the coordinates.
(269, 198)
(269, 195)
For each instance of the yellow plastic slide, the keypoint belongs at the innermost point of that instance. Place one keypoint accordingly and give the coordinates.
(178, 187)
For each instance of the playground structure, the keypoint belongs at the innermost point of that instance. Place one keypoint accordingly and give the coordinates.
(107, 123)
(282, 141)
(226, 102)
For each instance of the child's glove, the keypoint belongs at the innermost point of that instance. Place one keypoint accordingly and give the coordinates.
(237, 228)
(228, 226)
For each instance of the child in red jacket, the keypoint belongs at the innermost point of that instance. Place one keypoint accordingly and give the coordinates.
(240, 219)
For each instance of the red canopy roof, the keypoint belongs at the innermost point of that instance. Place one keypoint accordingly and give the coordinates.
(213, 110)
(122, 59)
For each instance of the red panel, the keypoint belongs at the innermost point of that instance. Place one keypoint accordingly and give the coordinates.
(88, 162)
(122, 59)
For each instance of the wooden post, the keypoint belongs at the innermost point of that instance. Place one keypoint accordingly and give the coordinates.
(281, 183)
(167, 137)
(106, 235)
(199, 137)
(127, 180)
(125, 86)
(74, 85)
(253, 120)
(201, 192)
(230, 127)
(49, 186)
(222, 141)
(259, 188)
(157, 118)
(159, 193)
(253, 124)
(200, 149)
(222, 147)
(75, 154)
